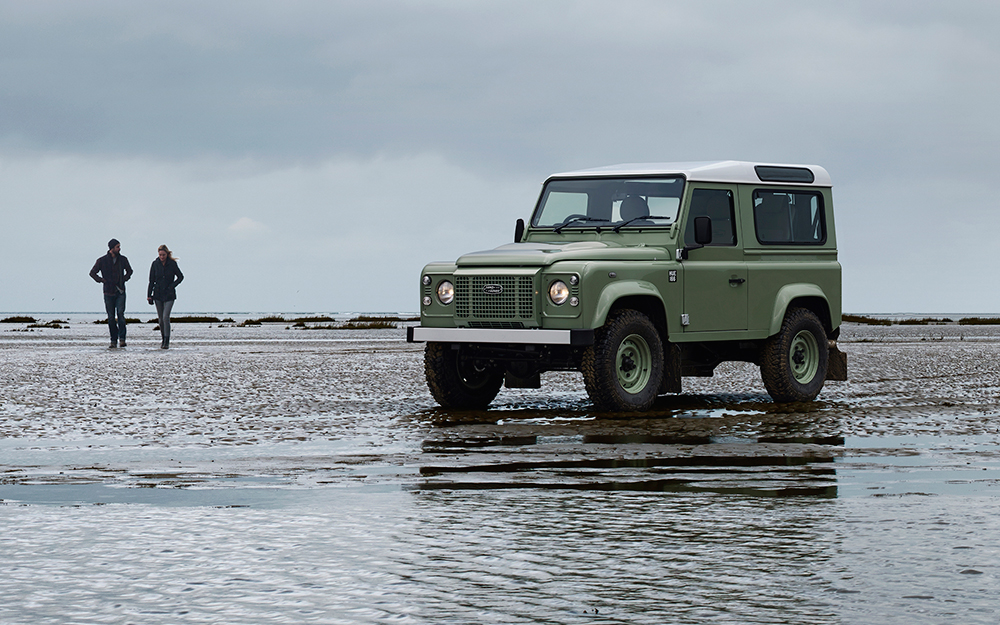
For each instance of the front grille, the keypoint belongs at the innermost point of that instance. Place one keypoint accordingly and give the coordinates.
(497, 325)
(476, 297)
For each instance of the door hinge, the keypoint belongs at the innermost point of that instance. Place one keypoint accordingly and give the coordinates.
(685, 319)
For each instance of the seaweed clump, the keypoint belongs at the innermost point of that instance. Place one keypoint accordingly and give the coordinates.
(361, 322)
(192, 319)
(57, 324)
(926, 321)
(19, 319)
(979, 321)
(871, 321)
(257, 322)
(364, 322)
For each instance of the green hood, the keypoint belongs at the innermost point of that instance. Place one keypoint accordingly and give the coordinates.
(544, 254)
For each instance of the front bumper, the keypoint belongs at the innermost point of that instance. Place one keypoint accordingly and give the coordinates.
(485, 335)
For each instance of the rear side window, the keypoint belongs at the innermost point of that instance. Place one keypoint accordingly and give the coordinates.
(789, 217)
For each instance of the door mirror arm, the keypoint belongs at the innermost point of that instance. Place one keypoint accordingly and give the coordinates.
(682, 252)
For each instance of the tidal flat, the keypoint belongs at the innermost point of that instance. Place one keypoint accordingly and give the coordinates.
(265, 474)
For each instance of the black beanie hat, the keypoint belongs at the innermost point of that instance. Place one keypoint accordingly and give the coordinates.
(112, 243)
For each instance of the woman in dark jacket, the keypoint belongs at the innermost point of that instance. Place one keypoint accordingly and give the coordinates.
(164, 276)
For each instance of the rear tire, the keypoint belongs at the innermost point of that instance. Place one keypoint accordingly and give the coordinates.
(456, 381)
(624, 367)
(794, 361)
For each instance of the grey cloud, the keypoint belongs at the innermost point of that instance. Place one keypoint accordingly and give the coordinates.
(897, 101)
(498, 83)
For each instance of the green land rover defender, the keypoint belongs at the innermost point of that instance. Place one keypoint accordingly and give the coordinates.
(638, 275)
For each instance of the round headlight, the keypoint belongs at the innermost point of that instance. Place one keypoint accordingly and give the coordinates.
(427, 300)
(446, 292)
(426, 280)
(558, 292)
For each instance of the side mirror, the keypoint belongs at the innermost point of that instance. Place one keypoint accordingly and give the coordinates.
(702, 237)
(519, 230)
(703, 230)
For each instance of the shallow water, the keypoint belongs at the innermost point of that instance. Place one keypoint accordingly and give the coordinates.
(279, 475)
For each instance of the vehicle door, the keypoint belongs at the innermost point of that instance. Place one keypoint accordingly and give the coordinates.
(715, 276)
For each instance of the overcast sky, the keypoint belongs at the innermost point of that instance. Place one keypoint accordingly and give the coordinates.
(313, 156)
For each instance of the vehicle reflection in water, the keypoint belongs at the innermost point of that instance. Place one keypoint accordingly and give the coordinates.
(734, 445)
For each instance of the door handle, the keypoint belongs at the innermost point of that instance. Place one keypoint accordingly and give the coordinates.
(735, 281)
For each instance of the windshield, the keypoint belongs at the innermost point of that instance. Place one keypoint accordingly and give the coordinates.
(609, 203)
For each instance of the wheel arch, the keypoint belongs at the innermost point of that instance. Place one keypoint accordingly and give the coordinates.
(808, 296)
(636, 295)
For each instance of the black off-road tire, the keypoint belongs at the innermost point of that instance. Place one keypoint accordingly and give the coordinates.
(455, 382)
(623, 369)
(793, 362)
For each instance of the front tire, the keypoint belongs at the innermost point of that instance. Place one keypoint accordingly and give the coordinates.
(624, 367)
(456, 381)
(794, 361)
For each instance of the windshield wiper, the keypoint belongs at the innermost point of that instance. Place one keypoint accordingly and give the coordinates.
(625, 223)
(558, 229)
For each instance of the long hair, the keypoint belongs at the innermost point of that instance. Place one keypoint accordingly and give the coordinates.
(164, 248)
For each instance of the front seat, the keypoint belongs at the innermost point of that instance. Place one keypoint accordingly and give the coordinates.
(632, 207)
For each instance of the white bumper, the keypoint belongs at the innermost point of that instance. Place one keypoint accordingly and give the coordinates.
(486, 335)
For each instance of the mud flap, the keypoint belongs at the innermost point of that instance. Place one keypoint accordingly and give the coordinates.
(511, 381)
(836, 366)
(671, 382)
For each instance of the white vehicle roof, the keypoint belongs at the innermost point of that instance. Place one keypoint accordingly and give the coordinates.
(706, 171)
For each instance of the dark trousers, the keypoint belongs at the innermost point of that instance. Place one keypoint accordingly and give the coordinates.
(115, 304)
(163, 315)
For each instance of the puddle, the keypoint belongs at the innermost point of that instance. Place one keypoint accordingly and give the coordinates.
(246, 477)
(967, 466)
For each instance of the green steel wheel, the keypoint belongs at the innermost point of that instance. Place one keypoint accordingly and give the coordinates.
(793, 361)
(803, 357)
(634, 363)
(623, 369)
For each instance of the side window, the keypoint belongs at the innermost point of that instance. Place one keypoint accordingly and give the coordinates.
(789, 217)
(717, 205)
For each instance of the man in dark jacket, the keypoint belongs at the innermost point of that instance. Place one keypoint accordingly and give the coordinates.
(114, 272)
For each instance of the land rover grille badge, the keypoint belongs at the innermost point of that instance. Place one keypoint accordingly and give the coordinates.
(493, 289)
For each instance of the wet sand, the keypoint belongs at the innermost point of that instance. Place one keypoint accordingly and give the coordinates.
(269, 474)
